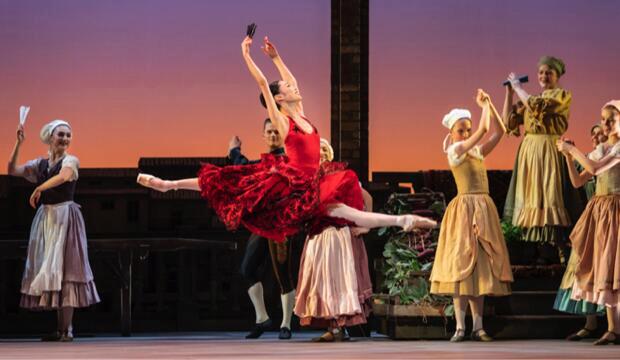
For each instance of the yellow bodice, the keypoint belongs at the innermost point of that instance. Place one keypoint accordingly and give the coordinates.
(471, 176)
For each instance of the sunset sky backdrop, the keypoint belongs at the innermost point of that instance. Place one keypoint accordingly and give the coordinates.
(166, 78)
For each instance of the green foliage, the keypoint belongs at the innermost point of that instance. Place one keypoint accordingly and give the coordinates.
(409, 256)
(511, 233)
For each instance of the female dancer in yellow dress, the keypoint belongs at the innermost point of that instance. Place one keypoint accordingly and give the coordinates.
(540, 198)
(596, 236)
(563, 300)
(472, 258)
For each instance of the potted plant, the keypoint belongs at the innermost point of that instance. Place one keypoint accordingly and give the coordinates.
(407, 310)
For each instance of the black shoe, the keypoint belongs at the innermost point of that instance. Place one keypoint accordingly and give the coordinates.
(259, 329)
(480, 335)
(459, 335)
(580, 335)
(55, 336)
(66, 337)
(605, 339)
(285, 333)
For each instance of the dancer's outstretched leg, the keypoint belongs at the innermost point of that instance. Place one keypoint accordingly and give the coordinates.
(360, 218)
(158, 184)
(372, 220)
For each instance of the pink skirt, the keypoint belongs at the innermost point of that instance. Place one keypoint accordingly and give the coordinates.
(334, 285)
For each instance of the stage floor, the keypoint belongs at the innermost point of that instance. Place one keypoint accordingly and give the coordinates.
(234, 346)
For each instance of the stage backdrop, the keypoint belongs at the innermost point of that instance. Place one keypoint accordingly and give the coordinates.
(166, 78)
(153, 77)
(427, 57)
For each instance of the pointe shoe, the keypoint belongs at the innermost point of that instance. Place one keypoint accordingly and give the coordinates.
(145, 179)
(153, 182)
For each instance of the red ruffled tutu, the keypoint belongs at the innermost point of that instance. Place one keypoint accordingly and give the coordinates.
(271, 198)
(278, 196)
(337, 185)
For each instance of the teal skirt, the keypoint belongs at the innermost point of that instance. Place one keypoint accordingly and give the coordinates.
(564, 303)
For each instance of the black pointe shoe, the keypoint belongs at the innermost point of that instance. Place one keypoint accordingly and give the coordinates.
(259, 329)
(285, 333)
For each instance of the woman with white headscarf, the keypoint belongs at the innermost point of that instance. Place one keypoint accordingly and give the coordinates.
(57, 275)
(472, 260)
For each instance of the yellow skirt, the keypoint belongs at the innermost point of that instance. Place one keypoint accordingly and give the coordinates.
(538, 195)
(472, 258)
(480, 282)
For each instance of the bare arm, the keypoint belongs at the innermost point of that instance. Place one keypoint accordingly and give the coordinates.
(507, 104)
(576, 178)
(66, 174)
(591, 166)
(521, 93)
(483, 127)
(272, 108)
(12, 168)
(497, 131)
(270, 50)
(613, 162)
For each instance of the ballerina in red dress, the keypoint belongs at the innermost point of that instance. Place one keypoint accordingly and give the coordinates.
(277, 196)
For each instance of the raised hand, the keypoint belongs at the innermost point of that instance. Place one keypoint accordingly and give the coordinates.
(269, 49)
(245, 46)
(514, 80)
(482, 98)
(235, 142)
(21, 136)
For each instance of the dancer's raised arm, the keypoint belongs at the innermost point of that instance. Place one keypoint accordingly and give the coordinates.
(12, 168)
(483, 127)
(496, 130)
(272, 107)
(270, 50)
(518, 89)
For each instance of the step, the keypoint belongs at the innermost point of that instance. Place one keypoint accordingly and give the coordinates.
(533, 326)
(500, 327)
(520, 302)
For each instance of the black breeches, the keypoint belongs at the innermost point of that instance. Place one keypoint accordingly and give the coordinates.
(257, 251)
